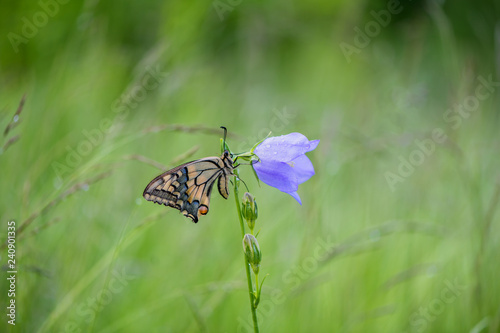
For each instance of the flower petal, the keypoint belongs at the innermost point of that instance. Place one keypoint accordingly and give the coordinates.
(296, 197)
(277, 174)
(284, 148)
(313, 144)
(303, 168)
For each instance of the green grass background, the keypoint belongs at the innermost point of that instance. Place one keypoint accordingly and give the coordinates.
(394, 252)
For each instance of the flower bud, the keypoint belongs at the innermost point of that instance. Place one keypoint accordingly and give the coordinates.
(249, 210)
(252, 252)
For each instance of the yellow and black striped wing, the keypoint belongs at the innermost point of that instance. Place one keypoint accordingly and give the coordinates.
(188, 187)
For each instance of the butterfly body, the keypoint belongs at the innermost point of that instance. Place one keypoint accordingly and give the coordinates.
(188, 187)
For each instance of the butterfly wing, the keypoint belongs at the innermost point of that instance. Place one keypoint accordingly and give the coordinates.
(188, 187)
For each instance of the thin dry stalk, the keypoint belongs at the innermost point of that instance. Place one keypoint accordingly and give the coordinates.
(187, 129)
(73, 189)
(15, 120)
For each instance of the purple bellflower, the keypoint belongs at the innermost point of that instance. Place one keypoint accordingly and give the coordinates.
(283, 163)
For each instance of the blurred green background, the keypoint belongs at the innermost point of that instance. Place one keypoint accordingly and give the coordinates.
(398, 231)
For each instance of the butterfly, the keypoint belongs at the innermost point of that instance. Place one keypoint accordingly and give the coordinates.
(188, 187)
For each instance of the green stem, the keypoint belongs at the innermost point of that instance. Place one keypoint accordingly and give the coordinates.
(247, 265)
(257, 289)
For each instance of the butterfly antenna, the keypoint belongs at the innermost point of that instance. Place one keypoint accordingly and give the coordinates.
(225, 135)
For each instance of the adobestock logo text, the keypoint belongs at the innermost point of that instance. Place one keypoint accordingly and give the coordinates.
(31, 25)
(121, 108)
